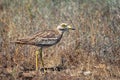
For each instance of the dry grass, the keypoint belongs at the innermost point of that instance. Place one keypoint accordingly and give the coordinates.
(92, 52)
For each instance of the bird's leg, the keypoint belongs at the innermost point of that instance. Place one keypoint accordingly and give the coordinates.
(42, 62)
(37, 52)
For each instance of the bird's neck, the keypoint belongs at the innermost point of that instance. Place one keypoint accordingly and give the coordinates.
(60, 36)
(60, 32)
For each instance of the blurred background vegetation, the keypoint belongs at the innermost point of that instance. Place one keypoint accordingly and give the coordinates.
(94, 46)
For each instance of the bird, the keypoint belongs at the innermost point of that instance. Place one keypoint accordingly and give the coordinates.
(45, 38)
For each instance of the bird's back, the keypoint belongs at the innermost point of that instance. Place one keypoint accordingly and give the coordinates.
(45, 38)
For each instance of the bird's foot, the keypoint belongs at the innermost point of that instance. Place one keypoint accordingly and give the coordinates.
(43, 70)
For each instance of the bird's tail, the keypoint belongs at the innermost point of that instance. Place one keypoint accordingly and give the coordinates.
(19, 41)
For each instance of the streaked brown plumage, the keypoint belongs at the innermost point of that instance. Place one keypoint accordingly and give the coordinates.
(42, 39)
(45, 39)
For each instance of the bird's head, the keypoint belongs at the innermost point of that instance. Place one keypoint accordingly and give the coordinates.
(65, 27)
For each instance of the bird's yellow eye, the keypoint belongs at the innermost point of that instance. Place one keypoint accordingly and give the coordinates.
(64, 25)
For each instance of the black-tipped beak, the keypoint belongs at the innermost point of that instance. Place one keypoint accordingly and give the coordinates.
(71, 28)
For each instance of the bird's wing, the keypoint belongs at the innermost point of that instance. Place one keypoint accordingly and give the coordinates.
(39, 38)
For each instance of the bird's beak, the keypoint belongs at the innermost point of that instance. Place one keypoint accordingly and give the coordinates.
(71, 28)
